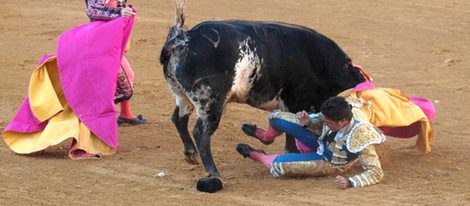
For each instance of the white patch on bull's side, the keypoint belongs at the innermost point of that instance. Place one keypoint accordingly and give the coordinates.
(248, 63)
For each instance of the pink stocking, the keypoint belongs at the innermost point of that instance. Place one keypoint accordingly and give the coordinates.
(269, 135)
(265, 159)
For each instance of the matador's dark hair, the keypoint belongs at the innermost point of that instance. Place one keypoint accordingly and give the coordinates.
(336, 108)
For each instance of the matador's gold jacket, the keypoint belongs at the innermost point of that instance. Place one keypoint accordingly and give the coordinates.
(357, 139)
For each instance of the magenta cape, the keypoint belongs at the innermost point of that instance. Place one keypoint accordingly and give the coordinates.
(88, 58)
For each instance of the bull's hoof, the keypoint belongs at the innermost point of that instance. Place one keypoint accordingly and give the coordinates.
(209, 184)
(190, 157)
(191, 160)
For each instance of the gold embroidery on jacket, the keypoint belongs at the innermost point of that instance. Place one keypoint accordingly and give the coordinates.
(363, 135)
(302, 168)
(373, 172)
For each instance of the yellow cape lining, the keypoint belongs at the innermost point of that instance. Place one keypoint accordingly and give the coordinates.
(48, 102)
(391, 107)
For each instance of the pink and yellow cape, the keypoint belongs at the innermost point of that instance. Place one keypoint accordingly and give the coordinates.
(397, 114)
(71, 94)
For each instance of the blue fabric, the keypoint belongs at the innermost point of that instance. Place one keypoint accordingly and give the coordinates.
(297, 157)
(300, 133)
(303, 135)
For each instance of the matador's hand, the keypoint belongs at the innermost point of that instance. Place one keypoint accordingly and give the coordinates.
(304, 120)
(127, 12)
(342, 182)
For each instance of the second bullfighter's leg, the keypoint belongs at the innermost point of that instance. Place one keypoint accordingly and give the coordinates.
(180, 118)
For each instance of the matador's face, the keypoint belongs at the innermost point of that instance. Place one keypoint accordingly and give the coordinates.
(334, 125)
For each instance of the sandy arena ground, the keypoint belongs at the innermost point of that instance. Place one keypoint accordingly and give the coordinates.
(419, 46)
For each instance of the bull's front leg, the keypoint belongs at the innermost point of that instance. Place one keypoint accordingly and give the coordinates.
(180, 118)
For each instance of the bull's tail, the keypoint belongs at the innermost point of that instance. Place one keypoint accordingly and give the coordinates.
(179, 17)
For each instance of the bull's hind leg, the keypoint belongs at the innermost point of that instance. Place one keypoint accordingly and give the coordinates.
(180, 118)
(209, 108)
(202, 132)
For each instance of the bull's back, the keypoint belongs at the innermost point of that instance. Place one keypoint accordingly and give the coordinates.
(283, 47)
(274, 64)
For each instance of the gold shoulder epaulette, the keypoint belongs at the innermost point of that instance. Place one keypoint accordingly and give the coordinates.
(362, 135)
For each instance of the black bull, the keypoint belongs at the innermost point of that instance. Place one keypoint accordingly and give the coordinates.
(264, 64)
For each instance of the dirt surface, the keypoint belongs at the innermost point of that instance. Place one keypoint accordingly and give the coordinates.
(420, 46)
